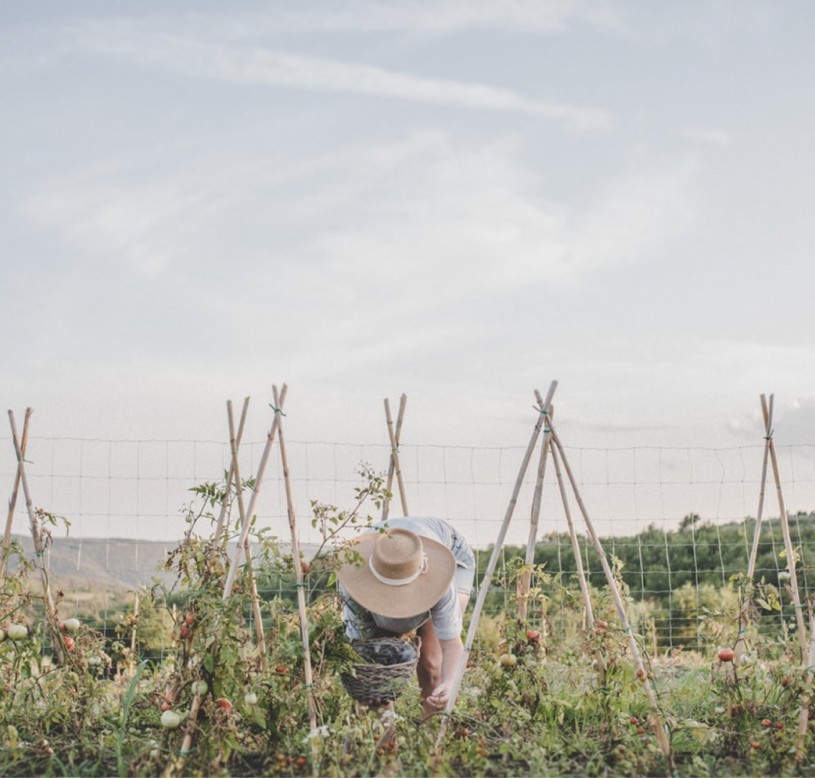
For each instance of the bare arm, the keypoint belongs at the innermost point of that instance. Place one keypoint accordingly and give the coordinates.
(451, 651)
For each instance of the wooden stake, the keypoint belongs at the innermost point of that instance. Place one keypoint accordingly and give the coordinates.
(391, 462)
(785, 529)
(36, 535)
(219, 527)
(395, 456)
(525, 579)
(578, 558)
(768, 424)
(250, 510)
(177, 767)
(806, 697)
(250, 572)
(656, 718)
(496, 552)
(298, 575)
(13, 501)
(744, 611)
(133, 635)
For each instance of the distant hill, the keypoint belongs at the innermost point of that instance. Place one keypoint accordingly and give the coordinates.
(106, 563)
(94, 563)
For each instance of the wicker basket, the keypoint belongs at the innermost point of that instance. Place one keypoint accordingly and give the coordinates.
(383, 678)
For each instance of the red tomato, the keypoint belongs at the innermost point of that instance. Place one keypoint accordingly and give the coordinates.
(224, 703)
(281, 670)
(532, 635)
(70, 643)
(726, 655)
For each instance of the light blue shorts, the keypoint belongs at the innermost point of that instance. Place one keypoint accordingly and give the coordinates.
(465, 563)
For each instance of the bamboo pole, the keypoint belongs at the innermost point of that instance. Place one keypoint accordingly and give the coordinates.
(250, 510)
(578, 558)
(133, 634)
(232, 476)
(785, 529)
(768, 424)
(656, 717)
(543, 408)
(219, 527)
(806, 697)
(395, 458)
(298, 575)
(386, 504)
(36, 533)
(250, 573)
(12, 503)
(177, 767)
(744, 611)
(525, 579)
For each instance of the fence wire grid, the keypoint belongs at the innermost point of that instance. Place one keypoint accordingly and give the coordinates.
(126, 501)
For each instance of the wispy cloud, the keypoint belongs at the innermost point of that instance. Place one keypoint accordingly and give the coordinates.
(238, 64)
(710, 136)
(140, 225)
(443, 225)
(471, 226)
(793, 418)
(435, 17)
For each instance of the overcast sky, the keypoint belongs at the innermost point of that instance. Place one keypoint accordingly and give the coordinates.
(456, 199)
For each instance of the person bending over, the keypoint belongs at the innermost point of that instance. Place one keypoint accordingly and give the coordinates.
(415, 574)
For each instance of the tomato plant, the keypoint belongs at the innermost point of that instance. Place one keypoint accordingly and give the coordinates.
(542, 695)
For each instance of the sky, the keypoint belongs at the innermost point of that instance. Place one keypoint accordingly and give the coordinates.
(457, 200)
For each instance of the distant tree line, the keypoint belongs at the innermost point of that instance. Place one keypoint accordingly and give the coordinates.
(656, 562)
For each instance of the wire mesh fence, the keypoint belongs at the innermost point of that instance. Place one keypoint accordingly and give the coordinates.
(678, 522)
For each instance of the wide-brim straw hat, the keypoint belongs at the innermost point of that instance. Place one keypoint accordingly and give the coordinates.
(398, 574)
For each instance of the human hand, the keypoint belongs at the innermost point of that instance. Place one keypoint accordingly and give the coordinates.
(439, 697)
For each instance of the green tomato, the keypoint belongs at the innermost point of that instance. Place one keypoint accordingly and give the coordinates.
(17, 631)
(170, 719)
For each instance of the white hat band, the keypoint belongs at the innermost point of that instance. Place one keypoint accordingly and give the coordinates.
(397, 581)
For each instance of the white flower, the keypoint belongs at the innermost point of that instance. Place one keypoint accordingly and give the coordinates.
(322, 731)
(389, 717)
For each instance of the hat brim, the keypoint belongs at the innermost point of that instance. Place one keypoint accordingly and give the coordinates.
(397, 602)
